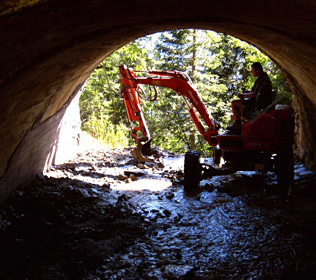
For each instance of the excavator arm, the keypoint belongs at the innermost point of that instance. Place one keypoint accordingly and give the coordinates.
(175, 80)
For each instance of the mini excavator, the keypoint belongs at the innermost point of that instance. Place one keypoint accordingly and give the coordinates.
(265, 143)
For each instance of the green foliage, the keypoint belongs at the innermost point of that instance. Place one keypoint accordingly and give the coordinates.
(106, 132)
(174, 50)
(102, 110)
(219, 65)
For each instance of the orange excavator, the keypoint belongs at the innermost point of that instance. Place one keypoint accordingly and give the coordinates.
(265, 143)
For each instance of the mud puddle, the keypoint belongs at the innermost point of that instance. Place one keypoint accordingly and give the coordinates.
(102, 216)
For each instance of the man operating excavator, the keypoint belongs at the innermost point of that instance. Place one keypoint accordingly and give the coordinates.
(258, 98)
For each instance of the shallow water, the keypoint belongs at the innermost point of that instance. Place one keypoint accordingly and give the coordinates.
(78, 222)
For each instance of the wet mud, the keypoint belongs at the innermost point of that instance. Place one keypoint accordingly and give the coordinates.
(102, 216)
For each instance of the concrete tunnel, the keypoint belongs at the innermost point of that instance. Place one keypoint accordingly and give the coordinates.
(48, 49)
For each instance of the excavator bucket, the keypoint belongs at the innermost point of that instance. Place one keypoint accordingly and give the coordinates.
(142, 150)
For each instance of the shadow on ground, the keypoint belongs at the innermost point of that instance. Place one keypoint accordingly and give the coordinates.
(74, 223)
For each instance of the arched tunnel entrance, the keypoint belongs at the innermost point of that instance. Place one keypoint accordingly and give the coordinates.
(50, 49)
(88, 232)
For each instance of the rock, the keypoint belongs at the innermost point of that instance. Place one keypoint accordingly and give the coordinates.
(177, 271)
(128, 180)
(142, 166)
(306, 172)
(170, 195)
(167, 212)
(122, 197)
(122, 177)
(132, 177)
(106, 185)
(209, 187)
(134, 173)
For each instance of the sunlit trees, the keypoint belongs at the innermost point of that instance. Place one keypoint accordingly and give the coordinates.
(103, 113)
(218, 64)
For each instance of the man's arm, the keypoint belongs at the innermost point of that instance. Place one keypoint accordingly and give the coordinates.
(251, 94)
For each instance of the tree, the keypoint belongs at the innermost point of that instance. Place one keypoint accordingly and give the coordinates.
(102, 110)
(175, 50)
(218, 64)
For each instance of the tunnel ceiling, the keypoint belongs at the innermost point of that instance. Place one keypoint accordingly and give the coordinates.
(48, 48)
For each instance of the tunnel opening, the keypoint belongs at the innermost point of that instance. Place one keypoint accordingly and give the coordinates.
(91, 38)
(84, 231)
(219, 77)
(62, 226)
(236, 227)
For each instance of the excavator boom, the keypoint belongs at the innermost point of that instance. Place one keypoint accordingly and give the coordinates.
(175, 80)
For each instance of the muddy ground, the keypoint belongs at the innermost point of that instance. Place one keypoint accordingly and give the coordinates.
(102, 216)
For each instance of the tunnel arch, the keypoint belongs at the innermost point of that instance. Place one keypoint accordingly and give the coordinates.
(50, 47)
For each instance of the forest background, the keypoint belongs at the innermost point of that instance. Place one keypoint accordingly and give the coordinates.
(218, 64)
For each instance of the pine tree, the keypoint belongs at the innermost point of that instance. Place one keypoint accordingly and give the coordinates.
(218, 64)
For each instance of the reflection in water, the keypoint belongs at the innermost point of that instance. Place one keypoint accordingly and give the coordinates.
(154, 185)
(82, 222)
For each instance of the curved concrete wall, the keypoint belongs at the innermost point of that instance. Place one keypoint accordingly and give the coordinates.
(48, 48)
